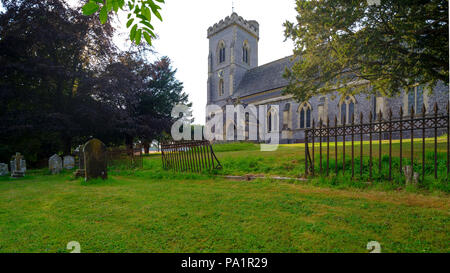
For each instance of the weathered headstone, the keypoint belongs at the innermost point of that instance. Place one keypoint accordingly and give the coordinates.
(18, 166)
(80, 154)
(55, 164)
(416, 179)
(69, 162)
(95, 159)
(411, 177)
(3, 169)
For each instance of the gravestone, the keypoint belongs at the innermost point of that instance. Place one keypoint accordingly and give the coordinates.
(80, 172)
(55, 164)
(18, 166)
(411, 177)
(3, 169)
(95, 159)
(69, 162)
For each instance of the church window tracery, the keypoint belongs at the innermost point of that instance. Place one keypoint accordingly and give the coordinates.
(347, 109)
(245, 53)
(305, 115)
(221, 51)
(221, 87)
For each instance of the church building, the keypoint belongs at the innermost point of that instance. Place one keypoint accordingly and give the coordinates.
(235, 76)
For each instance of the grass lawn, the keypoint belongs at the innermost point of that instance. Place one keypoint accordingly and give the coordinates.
(288, 160)
(153, 210)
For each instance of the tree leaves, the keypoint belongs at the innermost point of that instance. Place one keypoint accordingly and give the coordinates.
(133, 32)
(137, 9)
(148, 38)
(90, 8)
(138, 36)
(55, 60)
(155, 9)
(130, 22)
(147, 14)
(391, 46)
(103, 15)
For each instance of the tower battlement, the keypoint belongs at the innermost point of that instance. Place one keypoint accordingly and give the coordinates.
(251, 26)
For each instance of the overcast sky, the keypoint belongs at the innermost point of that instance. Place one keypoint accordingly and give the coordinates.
(182, 37)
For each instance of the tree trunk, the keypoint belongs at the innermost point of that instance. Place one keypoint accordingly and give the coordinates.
(129, 144)
(67, 145)
(146, 147)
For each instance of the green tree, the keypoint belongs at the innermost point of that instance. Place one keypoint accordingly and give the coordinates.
(392, 44)
(63, 81)
(141, 96)
(139, 15)
(48, 53)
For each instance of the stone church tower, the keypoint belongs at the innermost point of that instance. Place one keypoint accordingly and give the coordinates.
(233, 50)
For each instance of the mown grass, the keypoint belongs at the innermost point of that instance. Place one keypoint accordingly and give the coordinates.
(289, 161)
(157, 211)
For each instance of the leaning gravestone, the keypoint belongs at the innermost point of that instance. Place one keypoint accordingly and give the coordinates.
(95, 159)
(69, 162)
(18, 166)
(55, 164)
(3, 169)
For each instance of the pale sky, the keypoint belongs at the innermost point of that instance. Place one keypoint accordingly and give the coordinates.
(182, 37)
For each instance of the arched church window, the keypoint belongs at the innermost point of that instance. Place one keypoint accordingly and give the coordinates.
(272, 119)
(347, 109)
(269, 118)
(221, 51)
(308, 117)
(221, 87)
(302, 118)
(344, 113)
(245, 53)
(305, 115)
(415, 98)
(351, 110)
